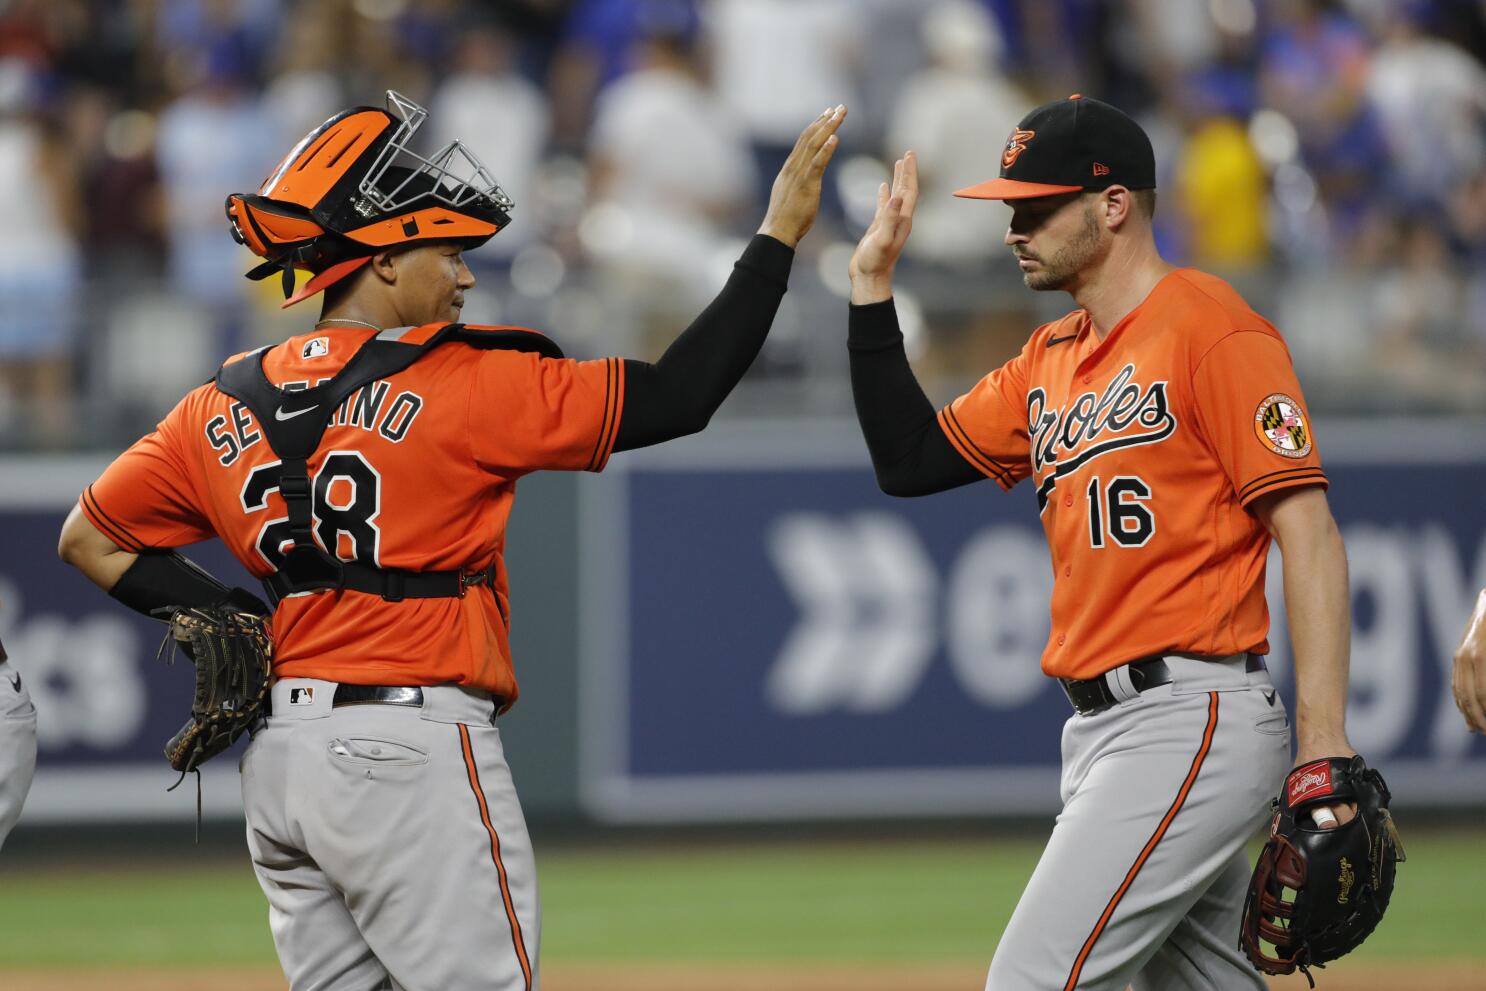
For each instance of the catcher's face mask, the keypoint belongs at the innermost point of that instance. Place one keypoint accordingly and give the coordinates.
(353, 187)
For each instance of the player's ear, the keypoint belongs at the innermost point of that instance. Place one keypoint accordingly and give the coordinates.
(1117, 204)
(384, 263)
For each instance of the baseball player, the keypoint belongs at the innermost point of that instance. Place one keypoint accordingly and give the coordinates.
(1166, 436)
(365, 470)
(17, 744)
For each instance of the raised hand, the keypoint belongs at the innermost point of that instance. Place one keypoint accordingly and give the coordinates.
(1469, 678)
(877, 252)
(795, 198)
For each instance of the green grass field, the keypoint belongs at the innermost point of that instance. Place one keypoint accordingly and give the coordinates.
(848, 902)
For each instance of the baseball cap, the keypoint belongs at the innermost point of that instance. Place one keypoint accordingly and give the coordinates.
(1070, 145)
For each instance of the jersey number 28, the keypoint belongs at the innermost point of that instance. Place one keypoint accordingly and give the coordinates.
(347, 501)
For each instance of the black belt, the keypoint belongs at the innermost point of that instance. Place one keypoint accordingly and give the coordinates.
(375, 695)
(1095, 695)
(387, 695)
(390, 583)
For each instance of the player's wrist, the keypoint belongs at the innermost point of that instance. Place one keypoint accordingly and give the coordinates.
(1320, 747)
(788, 235)
(867, 289)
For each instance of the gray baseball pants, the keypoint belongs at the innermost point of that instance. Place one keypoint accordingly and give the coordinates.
(390, 844)
(1142, 882)
(17, 745)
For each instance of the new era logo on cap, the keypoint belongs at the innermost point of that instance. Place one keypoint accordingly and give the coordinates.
(1079, 144)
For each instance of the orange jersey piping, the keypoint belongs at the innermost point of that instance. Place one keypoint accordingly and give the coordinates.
(961, 441)
(106, 524)
(500, 867)
(1145, 853)
(613, 406)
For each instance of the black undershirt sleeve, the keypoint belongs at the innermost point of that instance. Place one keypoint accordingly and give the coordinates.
(910, 453)
(678, 394)
(159, 582)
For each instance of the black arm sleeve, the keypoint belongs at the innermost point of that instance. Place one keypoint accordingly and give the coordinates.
(159, 582)
(678, 394)
(910, 454)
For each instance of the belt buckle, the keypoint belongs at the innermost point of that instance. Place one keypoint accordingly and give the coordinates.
(1065, 683)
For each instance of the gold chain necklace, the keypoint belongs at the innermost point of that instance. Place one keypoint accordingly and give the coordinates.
(360, 323)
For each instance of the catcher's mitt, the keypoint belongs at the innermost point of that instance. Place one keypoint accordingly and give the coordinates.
(232, 653)
(1318, 893)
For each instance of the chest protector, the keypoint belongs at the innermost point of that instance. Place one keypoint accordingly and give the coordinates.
(293, 423)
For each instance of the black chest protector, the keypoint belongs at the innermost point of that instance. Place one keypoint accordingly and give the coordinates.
(294, 421)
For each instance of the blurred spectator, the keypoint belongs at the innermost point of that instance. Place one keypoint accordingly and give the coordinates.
(1221, 186)
(779, 63)
(213, 140)
(1428, 355)
(380, 57)
(304, 89)
(40, 268)
(670, 171)
(956, 114)
(1314, 71)
(598, 47)
(889, 50)
(503, 117)
(1430, 98)
(114, 152)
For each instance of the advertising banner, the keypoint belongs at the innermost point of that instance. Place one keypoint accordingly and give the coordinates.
(768, 636)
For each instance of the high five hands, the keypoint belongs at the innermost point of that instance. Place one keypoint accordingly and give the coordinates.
(795, 197)
(877, 253)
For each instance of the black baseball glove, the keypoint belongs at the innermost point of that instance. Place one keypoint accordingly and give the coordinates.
(232, 652)
(1318, 893)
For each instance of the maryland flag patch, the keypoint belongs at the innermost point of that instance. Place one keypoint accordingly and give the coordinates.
(1280, 423)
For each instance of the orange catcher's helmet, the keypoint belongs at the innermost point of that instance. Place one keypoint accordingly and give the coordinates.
(353, 187)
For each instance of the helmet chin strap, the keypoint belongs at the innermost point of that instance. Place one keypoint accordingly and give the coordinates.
(285, 266)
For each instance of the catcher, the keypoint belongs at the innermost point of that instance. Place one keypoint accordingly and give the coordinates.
(365, 470)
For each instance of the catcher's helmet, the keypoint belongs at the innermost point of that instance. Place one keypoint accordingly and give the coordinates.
(352, 187)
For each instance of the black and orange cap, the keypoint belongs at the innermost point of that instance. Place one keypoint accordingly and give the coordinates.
(1067, 146)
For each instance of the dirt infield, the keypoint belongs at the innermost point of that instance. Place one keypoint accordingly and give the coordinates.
(727, 977)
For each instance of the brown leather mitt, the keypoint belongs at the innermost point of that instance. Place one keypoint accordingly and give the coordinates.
(233, 653)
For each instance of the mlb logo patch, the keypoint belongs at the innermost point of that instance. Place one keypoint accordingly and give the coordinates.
(301, 696)
(318, 347)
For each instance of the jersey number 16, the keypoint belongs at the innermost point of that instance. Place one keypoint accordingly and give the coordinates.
(1120, 511)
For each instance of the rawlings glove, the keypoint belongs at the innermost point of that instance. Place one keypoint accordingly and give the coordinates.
(232, 653)
(1318, 893)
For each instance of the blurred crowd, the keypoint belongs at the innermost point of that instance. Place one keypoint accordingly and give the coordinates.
(1327, 156)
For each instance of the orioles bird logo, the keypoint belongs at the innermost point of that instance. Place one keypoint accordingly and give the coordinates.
(1015, 145)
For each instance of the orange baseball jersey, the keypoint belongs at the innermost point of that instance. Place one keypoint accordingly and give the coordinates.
(416, 471)
(1145, 448)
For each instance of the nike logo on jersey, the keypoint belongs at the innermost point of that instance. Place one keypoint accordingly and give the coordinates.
(281, 416)
(1059, 340)
(1064, 439)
